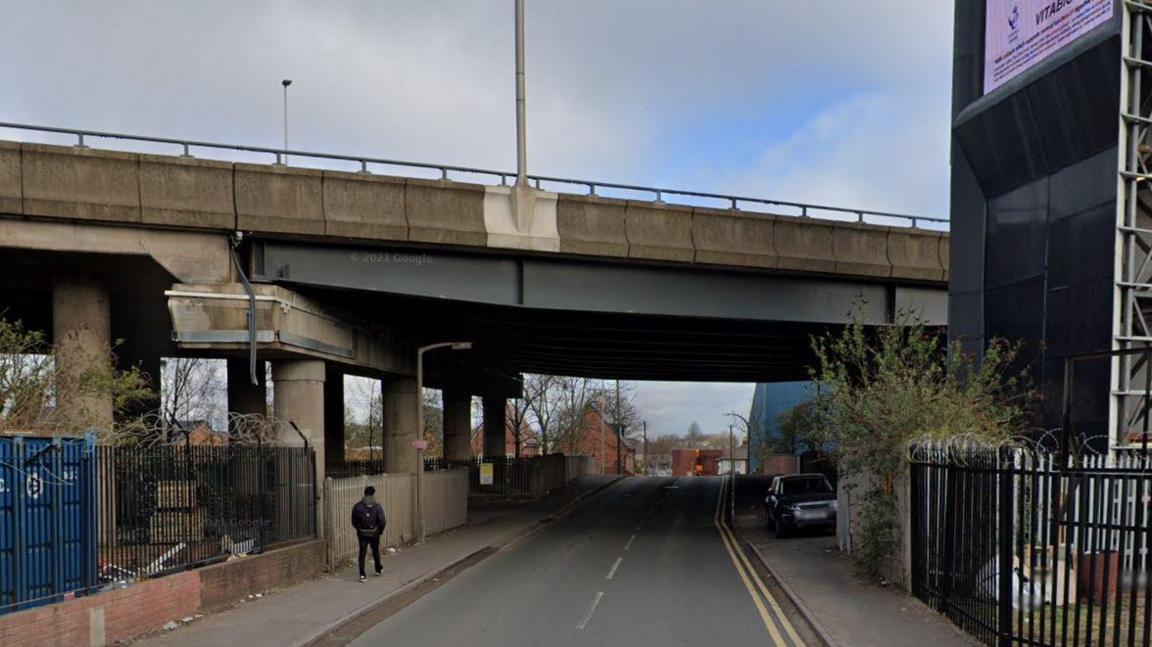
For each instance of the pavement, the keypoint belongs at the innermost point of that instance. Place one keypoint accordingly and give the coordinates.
(646, 563)
(842, 608)
(307, 612)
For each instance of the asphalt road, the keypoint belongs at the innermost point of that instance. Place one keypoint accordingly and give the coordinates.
(645, 563)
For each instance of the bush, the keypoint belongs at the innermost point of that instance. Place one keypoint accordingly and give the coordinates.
(880, 388)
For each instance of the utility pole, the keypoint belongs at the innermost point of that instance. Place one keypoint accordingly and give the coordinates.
(644, 456)
(732, 469)
(619, 449)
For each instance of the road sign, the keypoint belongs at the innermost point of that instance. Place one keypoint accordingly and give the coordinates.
(486, 474)
(420, 445)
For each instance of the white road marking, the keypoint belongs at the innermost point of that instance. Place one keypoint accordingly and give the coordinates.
(591, 610)
(614, 567)
(630, 540)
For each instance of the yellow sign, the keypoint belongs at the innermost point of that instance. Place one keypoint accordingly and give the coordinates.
(486, 474)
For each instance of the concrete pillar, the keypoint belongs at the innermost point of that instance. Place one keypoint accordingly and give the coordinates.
(400, 401)
(243, 396)
(457, 425)
(334, 417)
(495, 426)
(298, 396)
(83, 337)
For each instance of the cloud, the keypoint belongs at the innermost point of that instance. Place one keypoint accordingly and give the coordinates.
(669, 407)
(843, 103)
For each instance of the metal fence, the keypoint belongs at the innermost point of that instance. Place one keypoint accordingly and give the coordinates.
(529, 476)
(445, 507)
(171, 507)
(505, 477)
(1023, 546)
(364, 164)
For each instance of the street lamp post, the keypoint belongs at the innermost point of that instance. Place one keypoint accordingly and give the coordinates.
(454, 345)
(286, 83)
(521, 110)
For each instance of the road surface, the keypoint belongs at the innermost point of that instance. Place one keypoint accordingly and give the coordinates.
(649, 562)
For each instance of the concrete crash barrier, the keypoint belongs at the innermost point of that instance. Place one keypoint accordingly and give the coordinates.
(186, 192)
(804, 244)
(11, 194)
(450, 213)
(80, 183)
(660, 232)
(358, 205)
(729, 237)
(861, 250)
(916, 254)
(592, 226)
(279, 199)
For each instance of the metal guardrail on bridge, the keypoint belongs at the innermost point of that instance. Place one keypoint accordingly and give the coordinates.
(594, 188)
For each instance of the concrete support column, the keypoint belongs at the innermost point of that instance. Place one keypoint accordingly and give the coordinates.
(334, 417)
(83, 337)
(495, 426)
(298, 396)
(401, 397)
(243, 396)
(457, 425)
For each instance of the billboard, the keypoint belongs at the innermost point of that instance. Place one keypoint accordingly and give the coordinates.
(1019, 34)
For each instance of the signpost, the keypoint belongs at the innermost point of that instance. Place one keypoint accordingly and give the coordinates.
(486, 474)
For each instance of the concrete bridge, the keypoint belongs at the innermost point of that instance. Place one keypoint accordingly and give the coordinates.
(353, 271)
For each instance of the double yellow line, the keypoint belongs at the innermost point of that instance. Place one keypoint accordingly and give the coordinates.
(761, 597)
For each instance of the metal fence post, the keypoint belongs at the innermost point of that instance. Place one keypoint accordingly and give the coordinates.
(949, 557)
(1004, 545)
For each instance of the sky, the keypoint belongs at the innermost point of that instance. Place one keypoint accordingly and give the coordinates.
(838, 102)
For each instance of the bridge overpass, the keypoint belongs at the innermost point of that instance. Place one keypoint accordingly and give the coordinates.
(352, 270)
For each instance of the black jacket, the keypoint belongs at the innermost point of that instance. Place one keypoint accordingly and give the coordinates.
(368, 518)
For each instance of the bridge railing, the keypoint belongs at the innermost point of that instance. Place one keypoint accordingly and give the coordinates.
(588, 187)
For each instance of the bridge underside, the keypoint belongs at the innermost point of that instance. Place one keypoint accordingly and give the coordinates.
(563, 316)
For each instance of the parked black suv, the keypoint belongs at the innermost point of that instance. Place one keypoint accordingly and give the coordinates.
(800, 501)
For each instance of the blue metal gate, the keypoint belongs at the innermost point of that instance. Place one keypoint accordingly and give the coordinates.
(48, 542)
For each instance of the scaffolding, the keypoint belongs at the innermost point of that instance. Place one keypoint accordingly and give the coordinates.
(1132, 370)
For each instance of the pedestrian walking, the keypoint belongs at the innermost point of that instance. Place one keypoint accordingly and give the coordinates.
(369, 522)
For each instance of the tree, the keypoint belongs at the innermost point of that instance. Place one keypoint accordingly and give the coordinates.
(575, 398)
(619, 400)
(192, 391)
(30, 385)
(541, 395)
(879, 389)
(695, 433)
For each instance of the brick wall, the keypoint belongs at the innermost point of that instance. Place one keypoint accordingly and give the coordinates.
(104, 618)
(126, 613)
(223, 583)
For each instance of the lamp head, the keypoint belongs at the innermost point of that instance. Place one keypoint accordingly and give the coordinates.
(286, 82)
(462, 345)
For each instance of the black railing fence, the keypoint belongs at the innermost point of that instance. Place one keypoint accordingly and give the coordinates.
(168, 508)
(1020, 546)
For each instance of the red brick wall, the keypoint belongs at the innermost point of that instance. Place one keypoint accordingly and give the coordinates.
(148, 605)
(227, 582)
(128, 612)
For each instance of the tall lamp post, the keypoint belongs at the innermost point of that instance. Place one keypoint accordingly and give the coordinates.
(286, 83)
(419, 445)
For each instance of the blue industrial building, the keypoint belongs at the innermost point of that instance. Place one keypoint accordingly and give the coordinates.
(769, 402)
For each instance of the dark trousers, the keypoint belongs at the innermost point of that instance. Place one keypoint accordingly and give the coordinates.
(374, 542)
